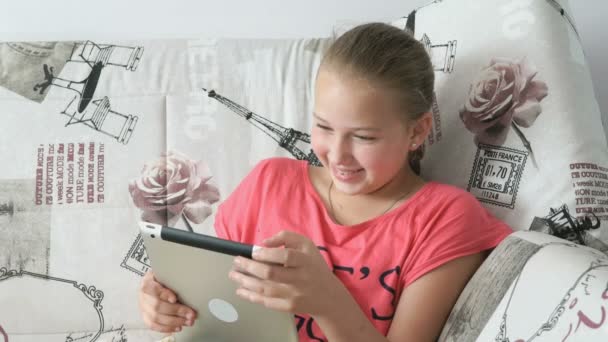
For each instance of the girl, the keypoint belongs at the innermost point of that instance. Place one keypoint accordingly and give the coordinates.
(367, 249)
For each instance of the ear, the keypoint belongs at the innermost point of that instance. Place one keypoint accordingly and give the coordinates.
(420, 130)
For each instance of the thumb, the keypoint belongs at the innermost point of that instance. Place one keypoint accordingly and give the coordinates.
(285, 238)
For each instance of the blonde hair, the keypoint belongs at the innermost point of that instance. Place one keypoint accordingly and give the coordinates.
(392, 59)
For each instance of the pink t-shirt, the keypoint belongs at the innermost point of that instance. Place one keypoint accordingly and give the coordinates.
(375, 259)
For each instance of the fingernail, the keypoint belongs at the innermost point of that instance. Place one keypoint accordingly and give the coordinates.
(189, 323)
(237, 261)
(190, 316)
(178, 329)
(172, 300)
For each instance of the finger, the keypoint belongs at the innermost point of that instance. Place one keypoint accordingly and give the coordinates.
(157, 305)
(152, 287)
(167, 314)
(168, 296)
(275, 303)
(260, 286)
(285, 238)
(265, 271)
(287, 257)
(160, 327)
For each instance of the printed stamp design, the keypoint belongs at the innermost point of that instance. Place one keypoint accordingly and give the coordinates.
(137, 259)
(496, 175)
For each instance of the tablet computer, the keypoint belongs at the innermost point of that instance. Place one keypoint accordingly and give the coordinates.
(196, 267)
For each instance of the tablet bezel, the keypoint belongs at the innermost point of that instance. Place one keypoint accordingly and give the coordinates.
(196, 240)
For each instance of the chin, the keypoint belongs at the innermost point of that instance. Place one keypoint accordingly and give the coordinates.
(350, 188)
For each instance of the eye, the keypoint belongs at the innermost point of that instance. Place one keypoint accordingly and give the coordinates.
(323, 127)
(364, 137)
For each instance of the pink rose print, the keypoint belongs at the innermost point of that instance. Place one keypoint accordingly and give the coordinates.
(174, 186)
(504, 95)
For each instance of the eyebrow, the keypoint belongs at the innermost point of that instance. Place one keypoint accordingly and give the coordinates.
(354, 128)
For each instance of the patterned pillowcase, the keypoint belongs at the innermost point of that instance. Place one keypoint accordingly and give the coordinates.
(565, 281)
(516, 122)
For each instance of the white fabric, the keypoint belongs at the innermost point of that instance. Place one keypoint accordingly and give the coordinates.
(74, 264)
(551, 185)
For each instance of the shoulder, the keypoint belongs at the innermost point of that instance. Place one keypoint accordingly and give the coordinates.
(278, 165)
(453, 207)
(273, 173)
(450, 197)
(450, 223)
(266, 184)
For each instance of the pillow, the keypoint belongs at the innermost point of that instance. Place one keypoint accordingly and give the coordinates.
(90, 132)
(566, 282)
(516, 122)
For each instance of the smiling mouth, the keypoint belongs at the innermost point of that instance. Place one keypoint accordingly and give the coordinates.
(348, 172)
(346, 175)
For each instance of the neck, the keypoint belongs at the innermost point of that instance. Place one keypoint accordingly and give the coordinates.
(403, 181)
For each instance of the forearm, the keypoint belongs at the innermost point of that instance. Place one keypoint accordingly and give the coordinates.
(345, 321)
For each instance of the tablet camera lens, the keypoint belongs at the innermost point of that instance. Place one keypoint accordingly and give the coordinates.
(152, 235)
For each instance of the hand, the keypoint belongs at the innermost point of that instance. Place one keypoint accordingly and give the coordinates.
(295, 278)
(159, 307)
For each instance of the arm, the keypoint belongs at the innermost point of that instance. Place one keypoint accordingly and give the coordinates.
(422, 310)
(346, 322)
(279, 278)
(425, 305)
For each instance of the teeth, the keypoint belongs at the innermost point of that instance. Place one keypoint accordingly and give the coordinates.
(347, 172)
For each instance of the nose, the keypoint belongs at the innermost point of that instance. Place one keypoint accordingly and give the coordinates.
(340, 150)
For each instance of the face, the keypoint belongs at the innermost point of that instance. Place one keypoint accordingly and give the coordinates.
(359, 133)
